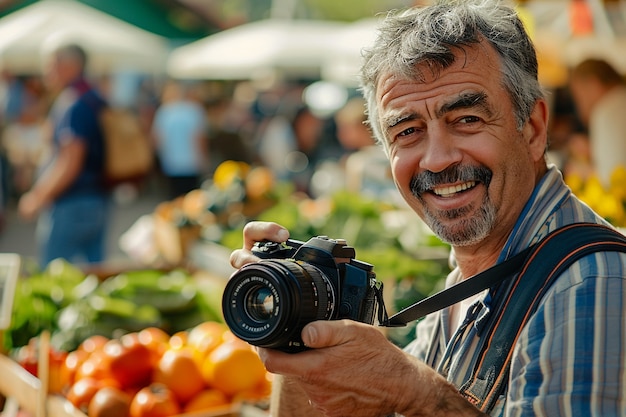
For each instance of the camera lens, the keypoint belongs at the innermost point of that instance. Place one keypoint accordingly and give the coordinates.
(260, 303)
(267, 303)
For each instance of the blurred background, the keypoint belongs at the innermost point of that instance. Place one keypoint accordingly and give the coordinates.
(275, 78)
(283, 139)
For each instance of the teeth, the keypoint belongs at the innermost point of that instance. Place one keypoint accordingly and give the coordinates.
(448, 191)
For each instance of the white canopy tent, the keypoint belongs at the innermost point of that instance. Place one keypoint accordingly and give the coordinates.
(254, 50)
(548, 22)
(111, 43)
(344, 58)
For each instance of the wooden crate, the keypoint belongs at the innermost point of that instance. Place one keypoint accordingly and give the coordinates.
(17, 383)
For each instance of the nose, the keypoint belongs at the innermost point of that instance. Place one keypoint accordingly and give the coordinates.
(440, 151)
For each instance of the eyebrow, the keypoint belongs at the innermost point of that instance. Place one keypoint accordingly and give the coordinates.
(466, 101)
(394, 120)
(463, 101)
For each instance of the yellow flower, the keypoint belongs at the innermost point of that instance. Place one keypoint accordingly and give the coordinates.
(612, 210)
(593, 192)
(618, 183)
(229, 171)
(575, 182)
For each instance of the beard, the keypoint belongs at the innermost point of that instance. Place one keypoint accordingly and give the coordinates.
(457, 227)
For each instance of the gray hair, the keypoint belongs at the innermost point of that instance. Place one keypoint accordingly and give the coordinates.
(427, 35)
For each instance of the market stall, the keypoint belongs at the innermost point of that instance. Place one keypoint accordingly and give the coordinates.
(162, 318)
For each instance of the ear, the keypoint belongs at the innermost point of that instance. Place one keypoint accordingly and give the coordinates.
(536, 130)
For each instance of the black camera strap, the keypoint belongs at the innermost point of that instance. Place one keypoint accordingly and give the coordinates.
(496, 274)
(460, 291)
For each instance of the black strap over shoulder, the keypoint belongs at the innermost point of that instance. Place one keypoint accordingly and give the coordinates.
(547, 261)
(460, 291)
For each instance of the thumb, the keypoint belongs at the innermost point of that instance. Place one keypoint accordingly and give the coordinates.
(320, 334)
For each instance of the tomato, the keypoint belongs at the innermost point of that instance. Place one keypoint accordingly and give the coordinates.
(155, 400)
(82, 391)
(27, 356)
(130, 362)
(156, 340)
(109, 402)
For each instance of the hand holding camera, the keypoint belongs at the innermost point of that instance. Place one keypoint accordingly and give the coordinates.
(267, 303)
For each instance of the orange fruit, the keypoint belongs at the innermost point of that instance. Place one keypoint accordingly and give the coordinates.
(233, 367)
(96, 365)
(229, 336)
(205, 337)
(178, 370)
(178, 340)
(207, 400)
(73, 361)
(262, 391)
(195, 203)
(93, 343)
(259, 182)
(58, 378)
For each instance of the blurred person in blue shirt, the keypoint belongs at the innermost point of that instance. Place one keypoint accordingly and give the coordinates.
(179, 130)
(69, 196)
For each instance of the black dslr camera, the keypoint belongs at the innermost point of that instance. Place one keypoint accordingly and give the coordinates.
(267, 303)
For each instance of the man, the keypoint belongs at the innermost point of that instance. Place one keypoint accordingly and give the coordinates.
(453, 97)
(599, 94)
(69, 196)
(179, 130)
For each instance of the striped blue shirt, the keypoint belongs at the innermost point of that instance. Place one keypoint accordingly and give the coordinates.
(570, 359)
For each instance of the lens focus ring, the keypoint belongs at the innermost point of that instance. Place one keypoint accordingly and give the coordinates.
(267, 303)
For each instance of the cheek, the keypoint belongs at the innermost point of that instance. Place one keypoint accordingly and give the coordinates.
(403, 167)
(513, 179)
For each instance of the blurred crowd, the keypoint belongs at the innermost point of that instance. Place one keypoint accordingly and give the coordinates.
(196, 125)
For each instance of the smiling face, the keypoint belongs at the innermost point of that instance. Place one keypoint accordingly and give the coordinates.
(456, 154)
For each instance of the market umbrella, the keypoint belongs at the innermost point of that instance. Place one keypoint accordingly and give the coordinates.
(111, 43)
(294, 48)
(344, 58)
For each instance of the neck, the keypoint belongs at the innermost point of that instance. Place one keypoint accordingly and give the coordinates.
(477, 258)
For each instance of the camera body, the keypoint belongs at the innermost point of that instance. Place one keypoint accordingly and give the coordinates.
(267, 303)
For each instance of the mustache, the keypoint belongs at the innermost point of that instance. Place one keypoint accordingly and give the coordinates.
(427, 180)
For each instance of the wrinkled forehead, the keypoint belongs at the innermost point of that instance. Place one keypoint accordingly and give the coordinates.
(480, 61)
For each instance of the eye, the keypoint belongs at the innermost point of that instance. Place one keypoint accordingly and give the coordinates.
(407, 132)
(468, 119)
(407, 137)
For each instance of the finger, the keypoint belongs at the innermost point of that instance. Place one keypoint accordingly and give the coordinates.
(258, 231)
(278, 362)
(241, 257)
(320, 334)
